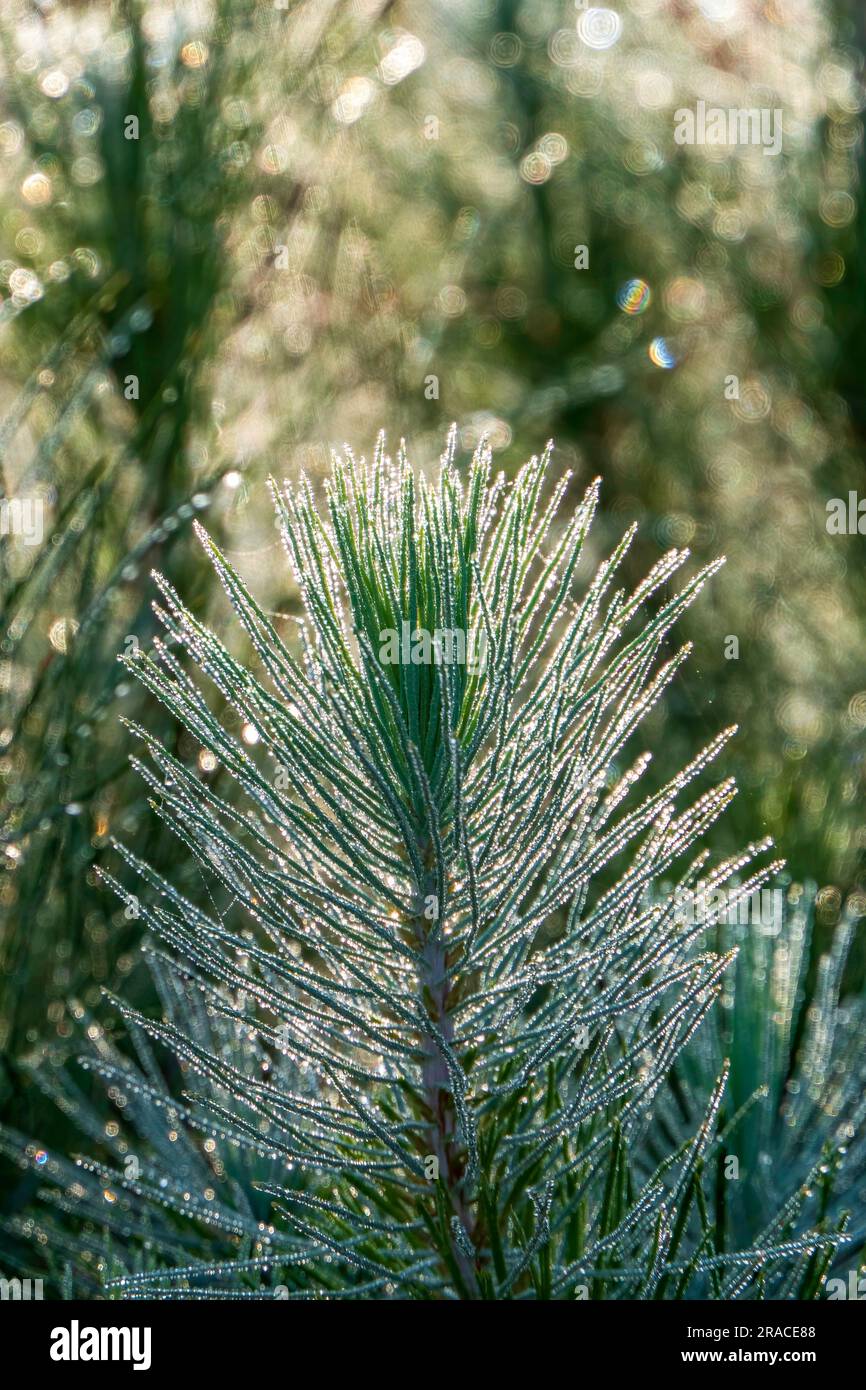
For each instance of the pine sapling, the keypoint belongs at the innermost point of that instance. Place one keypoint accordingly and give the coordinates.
(448, 986)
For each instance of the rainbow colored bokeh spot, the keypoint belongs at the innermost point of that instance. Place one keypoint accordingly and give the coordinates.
(662, 354)
(634, 296)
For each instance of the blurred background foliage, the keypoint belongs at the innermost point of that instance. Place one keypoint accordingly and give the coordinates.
(330, 216)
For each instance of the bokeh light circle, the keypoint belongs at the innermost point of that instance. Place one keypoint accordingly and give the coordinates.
(634, 296)
(505, 49)
(662, 354)
(599, 27)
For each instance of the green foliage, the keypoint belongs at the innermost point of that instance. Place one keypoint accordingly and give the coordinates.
(795, 1103)
(446, 992)
(131, 267)
(112, 348)
(327, 209)
(252, 258)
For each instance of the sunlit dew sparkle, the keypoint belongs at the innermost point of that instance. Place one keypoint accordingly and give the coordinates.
(60, 633)
(536, 168)
(194, 55)
(352, 100)
(719, 10)
(54, 83)
(407, 54)
(25, 286)
(599, 27)
(661, 354)
(634, 296)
